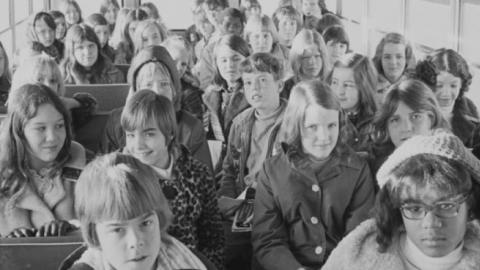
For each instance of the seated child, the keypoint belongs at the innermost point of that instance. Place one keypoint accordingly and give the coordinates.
(250, 142)
(148, 33)
(315, 191)
(102, 30)
(72, 12)
(288, 22)
(426, 214)
(36, 155)
(337, 41)
(84, 63)
(124, 218)
(61, 29)
(110, 9)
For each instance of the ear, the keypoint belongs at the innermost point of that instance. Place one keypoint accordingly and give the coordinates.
(280, 84)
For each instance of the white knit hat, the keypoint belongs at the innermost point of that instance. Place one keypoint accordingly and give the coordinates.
(442, 143)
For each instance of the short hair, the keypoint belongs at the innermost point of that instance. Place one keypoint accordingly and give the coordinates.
(96, 19)
(260, 22)
(326, 21)
(106, 3)
(337, 34)
(64, 5)
(233, 13)
(304, 94)
(263, 62)
(153, 10)
(287, 12)
(235, 43)
(141, 27)
(415, 95)
(307, 37)
(56, 14)
(423, 170)
(118, 187)
(365, 77)
(144, 106)
(27, 71)
(23, 105)
(394, 38)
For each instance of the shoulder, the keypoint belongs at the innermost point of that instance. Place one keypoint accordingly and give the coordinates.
(353, 160)
(244, 115)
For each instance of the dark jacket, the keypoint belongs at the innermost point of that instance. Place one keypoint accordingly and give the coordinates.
(361, 130)
(189, 131)
(301, 215)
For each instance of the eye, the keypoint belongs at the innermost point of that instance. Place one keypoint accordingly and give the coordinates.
(129, 135)
(147, 223)
(446, 206)
(414, 208)
(332, 125)
(393, 120)
(117, 230)
(417, 116)
(334, 82)
(60, 126)
(150, 134)
(40, 128)
(312, 128)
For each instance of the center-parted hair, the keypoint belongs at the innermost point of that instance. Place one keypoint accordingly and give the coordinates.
(414, 94)
(146, 106)
(304, 94)
(394, 38)
(263, 62)
(235, 43)
(118, 187)
(14, 153)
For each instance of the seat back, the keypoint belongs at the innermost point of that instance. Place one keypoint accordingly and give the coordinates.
(90, 134)
(109, 96)
(37, 252)
(123, 68)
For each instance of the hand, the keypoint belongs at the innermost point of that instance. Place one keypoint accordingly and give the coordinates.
(55, 228)
(22, 232)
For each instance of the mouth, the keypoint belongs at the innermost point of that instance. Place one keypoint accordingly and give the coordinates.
(433, 241)
(50, 148)
(256, 97)
(143, 154)
(444, 102)
(138, 259)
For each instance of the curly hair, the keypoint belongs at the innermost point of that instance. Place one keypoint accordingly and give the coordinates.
(421, 171)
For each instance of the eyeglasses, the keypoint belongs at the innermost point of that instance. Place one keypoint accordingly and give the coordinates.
(443, 209)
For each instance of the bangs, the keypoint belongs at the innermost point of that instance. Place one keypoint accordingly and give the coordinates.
(137, 116)
(432, 171)
(121, 194)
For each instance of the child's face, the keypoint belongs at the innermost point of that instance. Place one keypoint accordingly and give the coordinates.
(311, 62)
(45, 135)
(213, 13)
(103, 34)
(61, 28)
(311, 8)
(232, 26)
(343, 84)
(71, 15)
(180, 57)
(111, 14)
(287, 29)
(228, 63)
(405, 123)
(393, 61)
(205, 27)
(336, 50)
(130, 244)
(261, 41)
(46, 77)
(151, 36)
(434, 235)
(86, 53)
(262, 91)
(45, 34)
(447, 90)
(155, 78)
(320, 131)
(148, 144)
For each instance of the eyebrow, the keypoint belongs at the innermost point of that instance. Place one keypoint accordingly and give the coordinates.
(142, 217)
(43, 123)
(149, 129)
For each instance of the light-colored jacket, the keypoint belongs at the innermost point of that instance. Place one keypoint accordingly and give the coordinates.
(358, 251)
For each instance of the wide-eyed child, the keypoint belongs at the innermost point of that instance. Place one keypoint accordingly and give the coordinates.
(251, 140)
(84, 62)
(36, 156)
(315, 191)
(124, 218)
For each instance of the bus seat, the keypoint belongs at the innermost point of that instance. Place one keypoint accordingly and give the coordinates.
(89, 135)
(123, 68)
(37, 252)
(109, 96)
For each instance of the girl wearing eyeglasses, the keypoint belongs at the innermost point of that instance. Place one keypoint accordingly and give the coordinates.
(426, 215)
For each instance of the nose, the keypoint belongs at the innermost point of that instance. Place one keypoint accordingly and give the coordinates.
(134, 238)
(431, 221)
(407, 125)
(50, 135)
(322, 134)
(138, 142)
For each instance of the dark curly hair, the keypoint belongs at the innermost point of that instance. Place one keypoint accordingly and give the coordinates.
(421, 171)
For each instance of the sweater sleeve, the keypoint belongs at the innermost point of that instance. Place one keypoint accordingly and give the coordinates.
(269, 234)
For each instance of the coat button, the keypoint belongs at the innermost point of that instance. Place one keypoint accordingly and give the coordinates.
(314, 220)
(318, 250)
(315, 188)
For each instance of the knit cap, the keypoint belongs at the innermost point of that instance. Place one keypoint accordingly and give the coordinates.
(441, 143)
